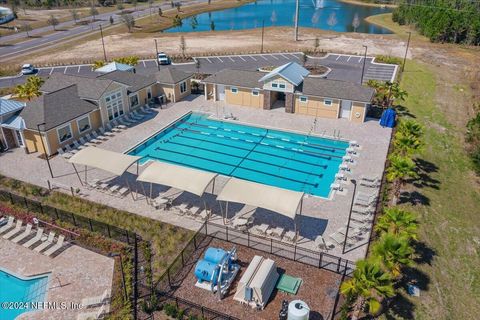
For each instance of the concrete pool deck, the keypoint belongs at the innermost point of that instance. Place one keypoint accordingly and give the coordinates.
(319, 217)
(75, 273)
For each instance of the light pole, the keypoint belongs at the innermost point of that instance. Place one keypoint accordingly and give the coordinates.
(44, 149)
(111, 254)
(406, 50)
(354, 182)
(364, 59)
(103, 44)
(156, 57)
(263, 31)
(296, 19)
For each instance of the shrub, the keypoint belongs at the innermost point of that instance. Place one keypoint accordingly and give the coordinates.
(170, 310)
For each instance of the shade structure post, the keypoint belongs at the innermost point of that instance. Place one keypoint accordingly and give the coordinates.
(85, 174)
(129, 188)
(206, 210)
(78, 175)
(145, 193)
(226, 213)
(221, 210)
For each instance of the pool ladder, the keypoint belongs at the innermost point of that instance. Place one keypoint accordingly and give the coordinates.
(336, 134)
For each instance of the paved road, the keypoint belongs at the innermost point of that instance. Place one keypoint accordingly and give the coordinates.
(29, 45)
(343, 67)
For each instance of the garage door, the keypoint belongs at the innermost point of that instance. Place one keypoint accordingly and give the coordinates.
(220, 92)
(346, 109)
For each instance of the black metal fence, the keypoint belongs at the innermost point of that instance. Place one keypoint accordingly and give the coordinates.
(92, 225)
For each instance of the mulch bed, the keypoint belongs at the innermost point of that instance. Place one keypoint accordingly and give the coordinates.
(318, 289)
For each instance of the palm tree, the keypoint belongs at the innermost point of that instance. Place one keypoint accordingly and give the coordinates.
(98, 64)
(387, 92)
(407, 144)
(394, 252)
(30, 89)
(401, 168)
(410, 127)
(369, 285)
(398, 222)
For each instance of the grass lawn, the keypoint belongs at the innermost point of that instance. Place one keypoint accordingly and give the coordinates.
(166, 240)
(448, 206)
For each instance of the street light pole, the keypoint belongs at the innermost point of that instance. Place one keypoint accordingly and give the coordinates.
(406, 51)
(103, 44)
(263, 31)
(364, 59)
(156, 57)
(44, 149)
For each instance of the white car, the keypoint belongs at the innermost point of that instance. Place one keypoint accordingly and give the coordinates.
(163, 59)
(28, 69)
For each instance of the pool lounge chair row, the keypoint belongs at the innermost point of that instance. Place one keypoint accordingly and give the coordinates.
(108, 187)
(18, 233)
(278, 233)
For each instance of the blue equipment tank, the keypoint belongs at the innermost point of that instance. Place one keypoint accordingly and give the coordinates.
(215, 255)
(206, 271)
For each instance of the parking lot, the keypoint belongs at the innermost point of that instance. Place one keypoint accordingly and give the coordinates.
(343, 67)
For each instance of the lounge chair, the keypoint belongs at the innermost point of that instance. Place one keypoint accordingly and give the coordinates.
(364, 210)
(56, 247)
(122, 192)
(134, 116)
(89, 137)
(367, 196)
(242, 223)
(63, 154)
(46, 243)
(92, 314)
(78, 146)
(94, 301)
(204, 214)
(93, 184)
(119, 125)
(70, 150)
(352, 151)
(126, 122)
(371, 184)
(35, 239)
(24, 234)
(182, 208)
(114, 129)
(147, 110)
(365, 202)
(289, 236)
(338, 238)
(276, 232)
(8, 225)
(370, 179)
(354, 143)
(86, 143)
(114, 188)
(323, 244)
(261, 229)
(105, 132)
(14, 231)
(99, 136)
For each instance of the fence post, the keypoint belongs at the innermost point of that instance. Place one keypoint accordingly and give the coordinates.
(226, 231)
(320, 260)
(135, 276)
(26, 203)
(56, 213)
(41, 207)
(11, 197)
(176, 302)
(74, 221)
(168, 277)
(201, 308)
(195, 241)
(338, 264)
(108, 231)
(271, 245)
(295, 253)
(183, 261)
(248, 239)
(128, 238)
(90, 223)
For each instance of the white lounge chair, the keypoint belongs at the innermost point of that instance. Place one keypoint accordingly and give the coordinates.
(45, 243)
(92, 314)
(261, 229)
(365, 202)
(8, 225)
(63, 154)
(182, 208)
(70, 150)
(105, 132)
(35, 239)
(114, 129)
(204, 214)
(93, 301)
(89, 137)
(99, 136)
(78, 146)
(114, 188)
(14, 231)
(56, 247)
(276, 232)
(289, 236)
(364, 210)
(86, 143)
(323, 244)
(371, 184)
(193, 210)
(147, 109)
(119, 124)
(93, 184)
(23, 235)
(134, 116)
(122, 192)
(370, 179)
(126, 122)
(367, 196)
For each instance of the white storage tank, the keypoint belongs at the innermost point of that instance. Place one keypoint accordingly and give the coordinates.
(298, 310)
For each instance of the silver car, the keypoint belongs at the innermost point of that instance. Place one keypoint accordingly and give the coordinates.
(28, 69)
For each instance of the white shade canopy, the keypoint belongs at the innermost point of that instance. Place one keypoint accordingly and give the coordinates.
(113, 162)
(179, 177)
(279, 200)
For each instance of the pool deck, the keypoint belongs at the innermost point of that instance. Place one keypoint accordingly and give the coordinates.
(75, 273)
(319, 216)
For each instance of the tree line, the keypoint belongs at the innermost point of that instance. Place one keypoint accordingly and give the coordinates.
(442, 20)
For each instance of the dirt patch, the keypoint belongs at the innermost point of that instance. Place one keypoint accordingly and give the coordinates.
(318, 289)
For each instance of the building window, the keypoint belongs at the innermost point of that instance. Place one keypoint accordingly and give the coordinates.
(255, 93)
(303, 99)
(282, 85)
(183, 87)
(327, 102)
(83, 124)
(134, 100)
(19, 138)
(114, 103)
(234, 89)
(64, 133)
(149, 93)
(274, 85)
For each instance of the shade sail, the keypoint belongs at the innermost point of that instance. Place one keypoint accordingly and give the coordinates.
(179, 177)
(279, 200)
(113, 162)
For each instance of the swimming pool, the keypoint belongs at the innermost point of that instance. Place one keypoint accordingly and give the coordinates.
(278, 158)
(16, 289)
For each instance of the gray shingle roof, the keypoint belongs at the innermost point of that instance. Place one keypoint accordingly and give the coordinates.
(336, 89)
(134, 81)
(171, 75)
(233, 77)
(292, 72)
(55, 108)
(8, 106)
(88, 87)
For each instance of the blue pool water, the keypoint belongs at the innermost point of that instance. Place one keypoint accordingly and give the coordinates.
(14, 289)
(277, 158)
(322, 14)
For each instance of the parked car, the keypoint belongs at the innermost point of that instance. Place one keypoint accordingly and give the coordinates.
(163, 59)
(28, 69)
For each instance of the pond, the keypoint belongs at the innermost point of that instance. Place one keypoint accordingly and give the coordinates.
(322, 14)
